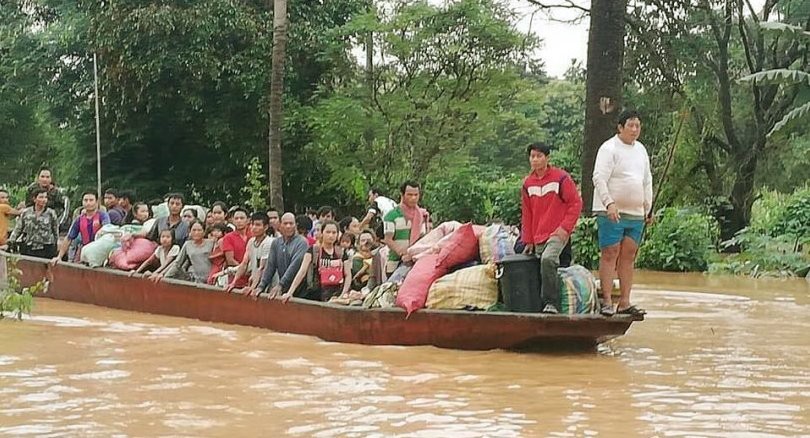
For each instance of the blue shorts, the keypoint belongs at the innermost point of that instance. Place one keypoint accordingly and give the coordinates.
(612, 233)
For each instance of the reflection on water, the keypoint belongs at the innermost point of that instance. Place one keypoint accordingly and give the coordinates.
(716, 357)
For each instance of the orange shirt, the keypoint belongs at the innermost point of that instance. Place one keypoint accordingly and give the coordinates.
(5, 209)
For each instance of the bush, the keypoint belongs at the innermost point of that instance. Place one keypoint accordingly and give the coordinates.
(681, 240)
(794, 220)
(585, 243)
(761, 255)
(473, 195)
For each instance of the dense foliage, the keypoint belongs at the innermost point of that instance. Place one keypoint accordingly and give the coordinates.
(452, 97)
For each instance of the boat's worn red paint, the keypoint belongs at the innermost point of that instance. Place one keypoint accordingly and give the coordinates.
(448, 329)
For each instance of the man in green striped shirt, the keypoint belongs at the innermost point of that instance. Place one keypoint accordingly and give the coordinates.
(404, 225)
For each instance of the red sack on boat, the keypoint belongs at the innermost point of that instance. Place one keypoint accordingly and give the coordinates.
(462, 247)
(138, 250)
(413, 293)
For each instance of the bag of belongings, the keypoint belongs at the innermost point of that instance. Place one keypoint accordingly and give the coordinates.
(468, 288)
(578, 292)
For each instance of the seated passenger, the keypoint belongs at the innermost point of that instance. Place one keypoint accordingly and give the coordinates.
(348, 243)
(164, 255)
(114, 210)
(85, 226)
(192, 263)
(217, 256)
(303, 225)
(173, 221)
(234, 244)
(362, 264)
(324, 267)
(404, 225)
(286, 255)
(255, 260)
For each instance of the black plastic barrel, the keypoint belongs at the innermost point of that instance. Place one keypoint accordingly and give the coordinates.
(519, 281)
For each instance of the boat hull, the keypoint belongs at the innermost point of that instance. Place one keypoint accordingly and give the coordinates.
(446, 329)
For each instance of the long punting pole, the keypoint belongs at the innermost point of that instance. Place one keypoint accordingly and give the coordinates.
(98, 128)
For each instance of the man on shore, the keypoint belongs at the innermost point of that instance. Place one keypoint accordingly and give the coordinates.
(45, 181)
(404, 225)
(286, 255)
(622, 202)
(550, 206)
(85, 226)
(6, 212)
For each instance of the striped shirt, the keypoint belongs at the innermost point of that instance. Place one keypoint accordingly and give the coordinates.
(396, 224)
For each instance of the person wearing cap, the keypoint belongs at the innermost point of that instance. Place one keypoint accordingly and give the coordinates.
(550, 206)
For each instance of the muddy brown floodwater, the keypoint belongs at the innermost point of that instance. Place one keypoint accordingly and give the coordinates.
(716, 357)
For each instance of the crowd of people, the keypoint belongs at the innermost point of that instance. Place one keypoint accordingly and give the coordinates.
(312, 255)
(309, 255)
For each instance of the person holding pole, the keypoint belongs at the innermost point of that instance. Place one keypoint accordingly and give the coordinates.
(622, 203)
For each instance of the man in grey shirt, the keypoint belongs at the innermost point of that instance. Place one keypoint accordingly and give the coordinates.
(286, 255)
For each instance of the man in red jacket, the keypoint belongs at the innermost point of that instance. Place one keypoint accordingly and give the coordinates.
(550, 206)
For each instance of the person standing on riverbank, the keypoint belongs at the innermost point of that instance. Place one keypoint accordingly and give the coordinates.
(550, 206)
(45, 181)
(622, 201)
(6, 211)
(37, 228)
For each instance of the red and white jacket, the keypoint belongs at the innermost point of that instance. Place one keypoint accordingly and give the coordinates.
(547, 203)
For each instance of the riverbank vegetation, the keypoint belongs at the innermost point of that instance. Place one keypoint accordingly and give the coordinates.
(446, 93)
(16, 300)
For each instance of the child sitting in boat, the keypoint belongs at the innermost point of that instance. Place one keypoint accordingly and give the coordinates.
(361, 266)
(164, 254)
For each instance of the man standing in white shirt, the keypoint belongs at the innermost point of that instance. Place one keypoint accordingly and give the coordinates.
(622, 201)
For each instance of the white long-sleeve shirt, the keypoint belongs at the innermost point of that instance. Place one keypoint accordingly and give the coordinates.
(622, 176)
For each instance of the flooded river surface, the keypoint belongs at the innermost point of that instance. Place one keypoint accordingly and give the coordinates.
(716, 357)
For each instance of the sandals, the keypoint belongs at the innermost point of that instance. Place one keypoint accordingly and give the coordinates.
(632, 311)
(607, 310)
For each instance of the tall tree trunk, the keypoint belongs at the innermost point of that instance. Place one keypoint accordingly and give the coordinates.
(603, 84)
(276, 100)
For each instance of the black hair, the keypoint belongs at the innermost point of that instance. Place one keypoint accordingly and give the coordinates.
(312, 211)
(90, 192)
(221, 205)
(112, 192)
(271, 208)
(237, 209)
(136, 205)
(37, 191)
(350, 237)
(2, 190)
(323, 211)
(344, 223)
(538, 147)
(129, 195)
(167, 230)
(193, 212)
(377, 191)
(627, 115)
(219, 226)
(176, 195)
(155, 201)
(41, 168)
(259, 216)
(303, 223)
(328, 222)
(406, 184)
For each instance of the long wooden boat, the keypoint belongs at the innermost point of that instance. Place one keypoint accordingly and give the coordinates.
(447, 329)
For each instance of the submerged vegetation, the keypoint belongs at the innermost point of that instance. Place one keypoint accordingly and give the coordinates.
(16, 300)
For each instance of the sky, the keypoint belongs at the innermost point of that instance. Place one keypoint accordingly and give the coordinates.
(562, 42)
